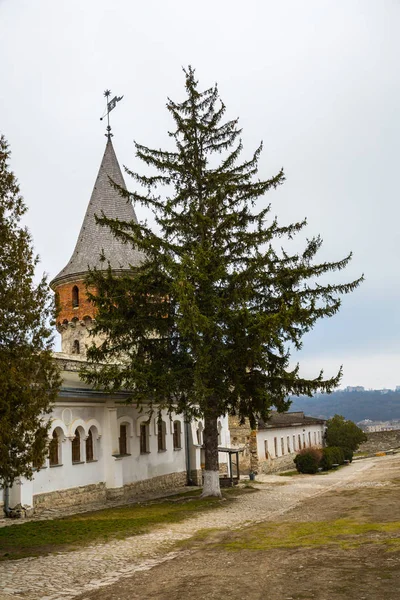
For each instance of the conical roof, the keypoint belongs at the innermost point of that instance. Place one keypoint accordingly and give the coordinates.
(94, 239)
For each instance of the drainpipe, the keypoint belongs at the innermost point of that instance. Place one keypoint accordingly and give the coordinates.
(189, 479)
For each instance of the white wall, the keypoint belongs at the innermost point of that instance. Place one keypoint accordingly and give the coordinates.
(310, 435)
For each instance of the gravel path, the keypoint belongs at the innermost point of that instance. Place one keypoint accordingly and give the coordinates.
(68, 574)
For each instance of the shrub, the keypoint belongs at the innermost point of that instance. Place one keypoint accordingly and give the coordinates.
(307, 461)
(348, 454)
(331, 456)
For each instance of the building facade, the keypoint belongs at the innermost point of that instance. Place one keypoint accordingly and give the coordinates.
(100, 447)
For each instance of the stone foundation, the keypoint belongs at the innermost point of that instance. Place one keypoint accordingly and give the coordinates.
(197, 476)
(86, 494)
(162, 483)
(275, 465)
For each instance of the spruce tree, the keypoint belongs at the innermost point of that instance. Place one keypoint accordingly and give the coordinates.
(205, 324)
(29, 378)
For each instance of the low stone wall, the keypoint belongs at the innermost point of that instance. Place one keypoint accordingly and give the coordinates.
(275, 465)
(86, 494)
(148, 486)
(378, 441)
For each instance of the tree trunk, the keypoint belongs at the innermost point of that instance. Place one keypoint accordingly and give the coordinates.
(211, 485)
(6, 496)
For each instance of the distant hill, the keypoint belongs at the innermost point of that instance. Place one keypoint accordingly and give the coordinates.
(356, 406)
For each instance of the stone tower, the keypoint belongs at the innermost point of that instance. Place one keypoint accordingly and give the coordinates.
(76, 313)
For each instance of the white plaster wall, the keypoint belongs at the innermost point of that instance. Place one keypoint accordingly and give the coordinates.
(67, 475)
(270, 434)
(138, 467)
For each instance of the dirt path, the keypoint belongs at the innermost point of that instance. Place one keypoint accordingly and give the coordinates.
(151, 565)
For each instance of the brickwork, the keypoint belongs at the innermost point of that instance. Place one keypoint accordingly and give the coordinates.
(66, 310)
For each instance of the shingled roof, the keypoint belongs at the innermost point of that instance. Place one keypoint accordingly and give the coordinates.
(93, 238)
(288, 419)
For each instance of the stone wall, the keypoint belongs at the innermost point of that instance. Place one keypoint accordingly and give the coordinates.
(378, 441)
(244, 437)
(162, 483)
(76, 496)
(98, 493)
(275, 465)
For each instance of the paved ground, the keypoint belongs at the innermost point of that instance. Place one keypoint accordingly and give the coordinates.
(80, 573)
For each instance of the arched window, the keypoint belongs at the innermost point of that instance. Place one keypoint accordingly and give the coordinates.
(75, 296)
(54, 450)
(76, 347)
(177, 435)
(76, 447)
(144, 438)
(89, 447)
(161, 436)
(123, 439)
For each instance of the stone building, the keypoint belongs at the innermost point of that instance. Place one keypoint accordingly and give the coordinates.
(99, 446)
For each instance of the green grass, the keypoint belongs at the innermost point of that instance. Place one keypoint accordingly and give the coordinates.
(342, 532)
(69, 533)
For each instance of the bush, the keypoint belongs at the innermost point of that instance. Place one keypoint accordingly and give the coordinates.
(348, 454)
(332, 455)
(308, 460)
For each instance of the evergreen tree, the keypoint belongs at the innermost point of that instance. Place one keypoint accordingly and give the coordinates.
(29, 378)
(344, 433)
(203, 326)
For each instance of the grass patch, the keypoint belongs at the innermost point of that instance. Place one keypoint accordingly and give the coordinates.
(342, 532)
(69, 533)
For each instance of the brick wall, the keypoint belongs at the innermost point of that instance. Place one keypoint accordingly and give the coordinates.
(66, 310)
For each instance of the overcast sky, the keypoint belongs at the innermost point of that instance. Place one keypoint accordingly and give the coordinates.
(317, 80)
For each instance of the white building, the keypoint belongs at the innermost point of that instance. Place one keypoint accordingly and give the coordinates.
(284, 434)
(100, 447)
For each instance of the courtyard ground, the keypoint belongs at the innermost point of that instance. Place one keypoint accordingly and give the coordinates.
(330, 537)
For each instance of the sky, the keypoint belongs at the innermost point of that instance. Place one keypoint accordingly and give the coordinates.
(317, 80)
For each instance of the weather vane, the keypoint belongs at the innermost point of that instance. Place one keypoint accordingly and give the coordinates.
(110, 105)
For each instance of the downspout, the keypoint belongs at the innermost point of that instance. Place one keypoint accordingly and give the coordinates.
(189, 479)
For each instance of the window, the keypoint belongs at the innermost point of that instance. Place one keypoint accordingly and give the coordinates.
(315, 438)
(76, 447)
(309, 438)
(123, 445)
(304, 440)
(219, 433)
(276, 446)
(89, 447)
(299, 438)
(75, 296)
(266, 448)
(177, 435)
(144, 438)
(199, 434)
(288, 444)
(161, 436)
(294, 443)
(76, 347)
(54, 452)
(283, 446)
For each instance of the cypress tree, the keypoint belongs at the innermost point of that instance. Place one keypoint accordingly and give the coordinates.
(205, 324)
(29, 378)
